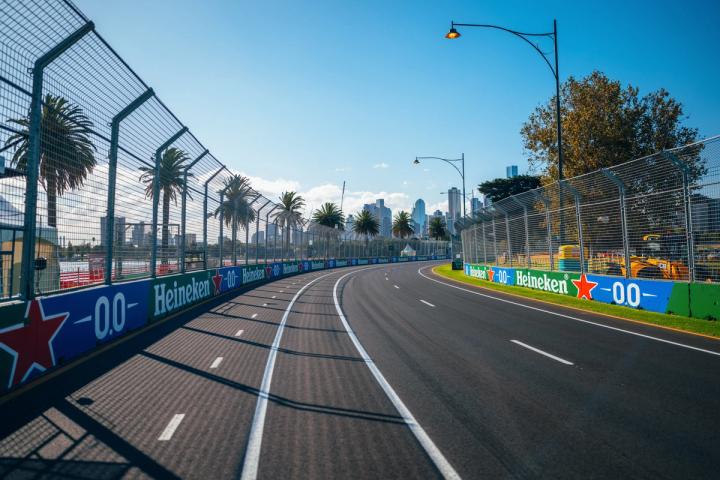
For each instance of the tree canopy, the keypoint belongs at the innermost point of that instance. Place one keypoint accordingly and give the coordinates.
(500, 188)
(604, 124)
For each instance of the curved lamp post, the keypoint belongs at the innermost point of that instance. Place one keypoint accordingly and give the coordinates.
(452, 162)
(453, 34)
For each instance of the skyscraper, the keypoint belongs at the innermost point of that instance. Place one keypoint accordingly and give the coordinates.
(418, 216)
(454, 209)
(383, 215)
(511, 171)
(475, 206)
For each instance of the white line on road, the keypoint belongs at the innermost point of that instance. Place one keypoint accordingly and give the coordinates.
(442, 464)
(252, 453)
(171, 427)
(570, 317)
(264, 305)
(239, 333)
(537, 350)
(396, 287)
(216, 362)
(254, 315)
(282, 291)
(274, 296)
(427, 303)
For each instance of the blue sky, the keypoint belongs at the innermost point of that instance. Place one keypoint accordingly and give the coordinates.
(306, 94)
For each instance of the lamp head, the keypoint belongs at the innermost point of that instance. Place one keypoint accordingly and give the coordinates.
(416, 162)
(452, 34)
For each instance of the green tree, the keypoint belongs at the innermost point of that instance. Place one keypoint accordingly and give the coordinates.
(67, 154)
(329, 215)
(367, 225)
(604, 124)
(437, 228)
(500, 188)
(235, 207)
(290, 216)
(402, 225)
(172, 167)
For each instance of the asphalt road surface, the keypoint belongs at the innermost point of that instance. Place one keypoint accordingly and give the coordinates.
(376, 372)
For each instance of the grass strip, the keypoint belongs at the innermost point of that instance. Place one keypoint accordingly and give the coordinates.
(709, 328)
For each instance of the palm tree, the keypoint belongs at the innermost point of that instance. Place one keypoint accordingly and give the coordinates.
(67, 155)
(330, 216)
(172, 169)
(437, 229)
(402, 224)
(235, 208)
(366, 224)
(289, 215)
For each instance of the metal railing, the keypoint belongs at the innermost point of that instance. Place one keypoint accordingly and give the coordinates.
(654, 217)
(100, 179)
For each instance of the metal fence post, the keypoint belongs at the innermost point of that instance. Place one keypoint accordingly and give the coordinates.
(221, 239)
(205, 216)
(267, 220)
(527, 231)
(578, 218)
(257, 232)
(183, 209)
(112, 178)
(548, 222)
(689, 231)
(494, 232)
(623, 217)
(33, 156)
(247, 230)
(484, 243)
(156, 198)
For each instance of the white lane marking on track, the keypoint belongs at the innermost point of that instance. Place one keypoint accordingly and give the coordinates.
(537, 350)
(396, 287)
(216, 362)
(282, 291)
(254, 315)
(570, 317)
(171, 427)
(274, 296)
(252, 453)
(427, 303)
(442, 464)
(264, 305)
(239, 333)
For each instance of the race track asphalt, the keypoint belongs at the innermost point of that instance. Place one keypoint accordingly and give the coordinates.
(438, 379)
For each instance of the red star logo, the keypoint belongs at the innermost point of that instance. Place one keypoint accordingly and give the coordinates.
(490, 274)
(217, 280)
(31, 344)
(584, 287)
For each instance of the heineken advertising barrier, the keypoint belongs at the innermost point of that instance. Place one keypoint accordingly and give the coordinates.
(697, 300)
(49, 331)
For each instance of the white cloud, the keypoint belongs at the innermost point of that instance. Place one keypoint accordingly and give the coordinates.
(381, 165)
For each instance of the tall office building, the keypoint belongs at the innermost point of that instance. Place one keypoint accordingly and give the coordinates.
(418, 216)
(454, 208)
(475, 206)
(119, 230)
(511, 171)
(383, 215)
(138, 234)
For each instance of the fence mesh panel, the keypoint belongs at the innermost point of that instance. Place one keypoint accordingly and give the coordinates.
(124, 190)
(655, 217)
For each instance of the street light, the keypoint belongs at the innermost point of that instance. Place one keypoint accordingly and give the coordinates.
(453, 33)
(450, 161)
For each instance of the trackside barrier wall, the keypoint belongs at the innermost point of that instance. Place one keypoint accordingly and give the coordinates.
(46, 332)
(699, 300)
